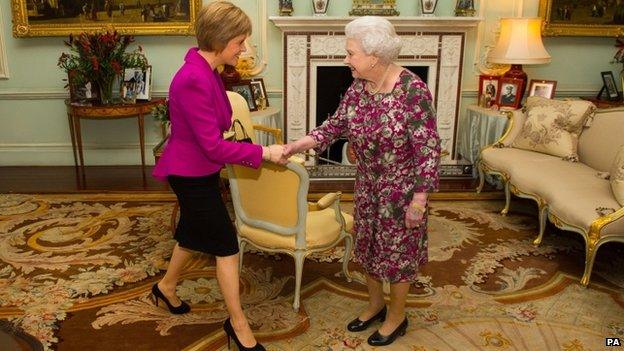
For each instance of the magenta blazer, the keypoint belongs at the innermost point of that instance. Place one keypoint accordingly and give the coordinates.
(200, 112)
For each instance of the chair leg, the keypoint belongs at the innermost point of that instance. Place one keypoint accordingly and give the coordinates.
(507, 199)
(590, 256)
(348, 240)
(241, 249)
(542, 215)
(481, 177)
(299, 257)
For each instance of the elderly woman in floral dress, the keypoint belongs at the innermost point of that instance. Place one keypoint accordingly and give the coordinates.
(388, 118)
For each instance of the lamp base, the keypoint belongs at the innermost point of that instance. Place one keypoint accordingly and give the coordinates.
(516, 72)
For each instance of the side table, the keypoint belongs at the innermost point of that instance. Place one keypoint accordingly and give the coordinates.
(479, 128)
(76, 112)
(269, 117)
(602, 104)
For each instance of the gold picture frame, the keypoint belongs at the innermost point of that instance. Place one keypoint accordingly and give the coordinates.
(373, 8)
(134, 17)
(586, 19)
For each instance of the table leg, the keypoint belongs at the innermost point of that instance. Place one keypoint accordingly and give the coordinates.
(142, 142)
(79, 142)
(73, 138)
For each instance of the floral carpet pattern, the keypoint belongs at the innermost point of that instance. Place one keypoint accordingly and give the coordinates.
(76, 272)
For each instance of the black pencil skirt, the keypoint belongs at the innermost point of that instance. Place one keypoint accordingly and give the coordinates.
(204, 224)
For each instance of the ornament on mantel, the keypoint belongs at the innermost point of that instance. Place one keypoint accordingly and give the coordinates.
(319, 7)
(285, 7)
(428, 7)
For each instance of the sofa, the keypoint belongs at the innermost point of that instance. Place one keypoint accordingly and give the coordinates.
(569, 158)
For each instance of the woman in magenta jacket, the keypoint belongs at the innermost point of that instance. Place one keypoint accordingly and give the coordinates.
(200, 112)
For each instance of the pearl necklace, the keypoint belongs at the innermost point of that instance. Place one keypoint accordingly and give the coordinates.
(380, 84)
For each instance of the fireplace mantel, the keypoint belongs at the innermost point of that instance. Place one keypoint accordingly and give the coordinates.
(435, 42)
(414, 23)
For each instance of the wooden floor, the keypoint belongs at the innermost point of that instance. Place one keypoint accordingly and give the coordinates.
(65, 179)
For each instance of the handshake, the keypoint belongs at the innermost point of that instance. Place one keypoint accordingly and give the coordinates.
(278, 153)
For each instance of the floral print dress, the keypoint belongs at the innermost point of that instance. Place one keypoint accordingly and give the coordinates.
(396, 143)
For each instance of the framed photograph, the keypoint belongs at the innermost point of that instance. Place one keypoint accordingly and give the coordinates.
(136, 84)
(609, 86)
(243, 87)
(45, 18)
(582, 18)
(509, 92)
(373, 8)
(259, 93)
(488, 90)
(543, 88)
(80, 92)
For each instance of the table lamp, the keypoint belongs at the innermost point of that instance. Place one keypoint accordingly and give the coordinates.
(519, 43)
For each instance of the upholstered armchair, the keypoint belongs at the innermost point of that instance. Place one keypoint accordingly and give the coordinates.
(240, 111)
(272, 214)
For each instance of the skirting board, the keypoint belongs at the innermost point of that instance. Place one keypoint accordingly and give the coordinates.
(60, 154)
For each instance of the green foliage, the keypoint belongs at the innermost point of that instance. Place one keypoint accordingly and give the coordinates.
(100, 57)
(161, 112)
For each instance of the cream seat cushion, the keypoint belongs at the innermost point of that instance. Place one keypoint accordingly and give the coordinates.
(617, 176)
(553, 126)
(559, 183)
(321, 230)
(506, 160)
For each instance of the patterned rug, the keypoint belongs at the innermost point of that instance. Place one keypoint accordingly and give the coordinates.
(76, 270)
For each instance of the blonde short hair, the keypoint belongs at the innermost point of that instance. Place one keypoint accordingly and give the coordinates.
(218, 23)
(377, 37)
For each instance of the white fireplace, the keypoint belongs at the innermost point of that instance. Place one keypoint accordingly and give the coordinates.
(435, 43)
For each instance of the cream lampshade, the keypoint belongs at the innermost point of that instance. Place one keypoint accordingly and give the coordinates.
(519, 43)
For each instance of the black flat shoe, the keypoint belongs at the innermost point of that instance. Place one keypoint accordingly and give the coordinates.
(381, 340)
(229, 331)
(157, 294)
(357, 325)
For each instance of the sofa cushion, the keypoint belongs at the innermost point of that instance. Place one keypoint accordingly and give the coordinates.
(580, 214)
(507, 160)
(553, 126)
(599, 143)
(617, 176)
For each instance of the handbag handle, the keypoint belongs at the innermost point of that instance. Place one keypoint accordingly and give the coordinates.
(245, 137)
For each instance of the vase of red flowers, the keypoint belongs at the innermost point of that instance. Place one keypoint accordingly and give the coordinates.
(99, 58)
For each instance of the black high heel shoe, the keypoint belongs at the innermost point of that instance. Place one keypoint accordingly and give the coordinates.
(357, 325)
(229, 331)
(377, 339)
(157, 294)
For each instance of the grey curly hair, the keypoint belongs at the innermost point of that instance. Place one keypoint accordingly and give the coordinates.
(377, 37)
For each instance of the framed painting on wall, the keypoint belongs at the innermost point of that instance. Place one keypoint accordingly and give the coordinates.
(582, 18)
(39, 18)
